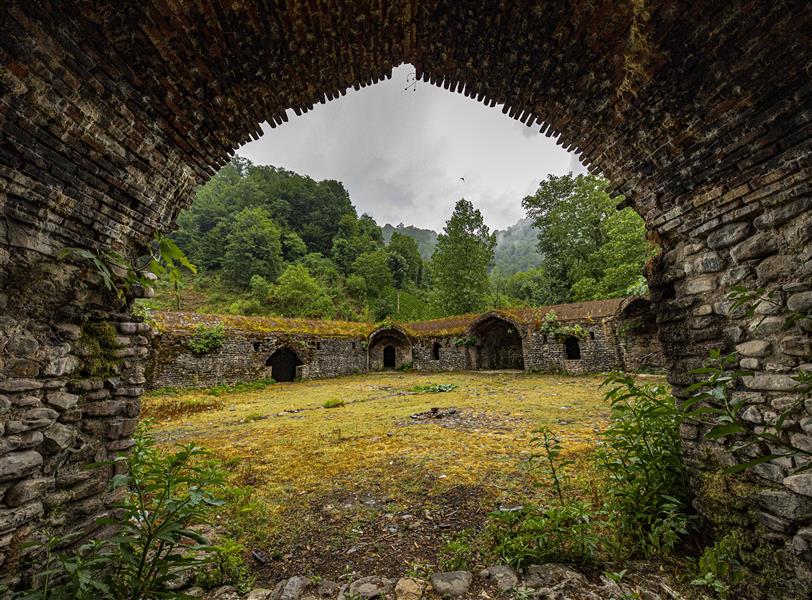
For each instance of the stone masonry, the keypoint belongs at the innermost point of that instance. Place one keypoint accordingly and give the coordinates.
(112, 113)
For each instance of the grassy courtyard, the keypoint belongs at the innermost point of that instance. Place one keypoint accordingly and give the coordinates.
(338, 476)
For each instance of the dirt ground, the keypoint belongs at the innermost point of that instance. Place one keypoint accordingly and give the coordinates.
(365, 487)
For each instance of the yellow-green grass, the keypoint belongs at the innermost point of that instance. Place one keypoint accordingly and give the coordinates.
(299, 456)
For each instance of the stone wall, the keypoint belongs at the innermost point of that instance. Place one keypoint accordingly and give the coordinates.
(243, 357)
(451, 356)
(599, 350)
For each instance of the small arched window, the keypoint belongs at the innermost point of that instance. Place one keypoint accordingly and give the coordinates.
(591, 335)
(572, 348)
(256, 346)
(435, 351)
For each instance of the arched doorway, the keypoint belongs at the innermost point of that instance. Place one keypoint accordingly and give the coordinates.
(389, 348)
(389, 360)
(499, 343)
(283, 363)
(435, 351)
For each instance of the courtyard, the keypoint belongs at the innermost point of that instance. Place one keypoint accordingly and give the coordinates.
(346, 474)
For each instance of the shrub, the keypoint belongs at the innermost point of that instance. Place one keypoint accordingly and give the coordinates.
(227, 568)
(553, 328)
(537, 535)
(169, 494)
(433, 388)
(407, 366)
(333, 403)
(647, 483)
(206, 339)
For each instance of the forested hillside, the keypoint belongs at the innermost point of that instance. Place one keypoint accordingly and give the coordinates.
(516, 248)
(426, 238)
(270, 241)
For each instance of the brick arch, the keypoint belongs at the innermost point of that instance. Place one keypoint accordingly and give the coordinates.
(112, 113)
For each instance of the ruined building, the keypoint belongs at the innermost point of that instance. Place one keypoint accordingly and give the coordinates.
(112, 113)
(607, 338)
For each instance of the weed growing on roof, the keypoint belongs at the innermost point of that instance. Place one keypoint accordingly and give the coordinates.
(333, 403)
(207, 339)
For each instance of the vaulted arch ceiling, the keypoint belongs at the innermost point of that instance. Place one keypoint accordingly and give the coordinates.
(113, 112)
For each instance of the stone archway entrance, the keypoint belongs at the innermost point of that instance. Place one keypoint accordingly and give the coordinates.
(389, 348)
(283, 363)
(499, 344)
(699, 117)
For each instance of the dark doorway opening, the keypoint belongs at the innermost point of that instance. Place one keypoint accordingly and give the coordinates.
(435, 351)
(389, 357)
(572, 348)
(500, 345)
(283, 364)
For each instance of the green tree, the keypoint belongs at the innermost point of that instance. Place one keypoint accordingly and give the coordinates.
(407, 248)
(460, 262)
(374, 268)
(400, 270)
(589, 248)
(253, 247)
(299, 294)
(293, 247)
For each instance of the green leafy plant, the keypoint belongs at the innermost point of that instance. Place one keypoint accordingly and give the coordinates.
(407, 366)
(536, 535)
(206, 339)
(162, 257)
(719, 567)
(167, 495)
(459, 551)
(433, 388)
(227, 568)
(333, 403)
(712, 404)
(464, 341)
(545, 440)
(552, 327)
(641, 455)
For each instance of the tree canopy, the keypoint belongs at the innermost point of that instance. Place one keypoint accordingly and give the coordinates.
(460, 262)
(270, 241)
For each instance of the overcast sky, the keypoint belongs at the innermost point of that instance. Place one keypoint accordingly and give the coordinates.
(403, 154)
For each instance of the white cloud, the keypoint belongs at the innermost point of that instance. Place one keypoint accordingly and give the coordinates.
(403, 154)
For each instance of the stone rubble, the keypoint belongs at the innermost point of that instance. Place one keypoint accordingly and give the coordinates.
(540, 582)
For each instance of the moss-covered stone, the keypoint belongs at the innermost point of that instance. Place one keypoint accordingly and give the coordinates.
(98, 343)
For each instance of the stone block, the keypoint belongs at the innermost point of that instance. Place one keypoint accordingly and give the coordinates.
(783, 503)
(27, 490)
(106, 408)
(36, 418)
(775, 523)
(775, 267)
(800, 483)
(13, 518)
(757, 348)
(58, 437)
(15, 465)
(797, 345)
(19, 385)
(801, 302)
(761, 244)
(62, 365)
(26, 401)
(62, 400)
(728, 235)
(699, 285)
(771, 382)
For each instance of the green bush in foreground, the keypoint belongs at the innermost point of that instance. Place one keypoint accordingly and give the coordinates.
(168, 494)
(333, 403)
